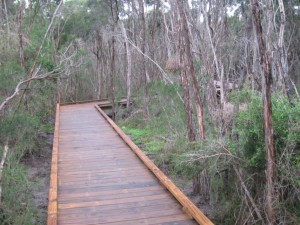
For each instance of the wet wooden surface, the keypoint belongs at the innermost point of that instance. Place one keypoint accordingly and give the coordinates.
(102, 181)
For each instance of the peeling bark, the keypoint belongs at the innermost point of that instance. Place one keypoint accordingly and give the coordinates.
(265, 63)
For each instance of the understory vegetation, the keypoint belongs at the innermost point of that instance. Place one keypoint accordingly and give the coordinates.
(211, 165)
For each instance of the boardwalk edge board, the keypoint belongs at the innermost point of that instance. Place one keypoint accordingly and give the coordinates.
(188, 206)
(81, 102)
(52, 205)
(104, 100)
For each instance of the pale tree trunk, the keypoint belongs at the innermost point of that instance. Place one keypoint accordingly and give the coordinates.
(282, 61)
(20, 34)
(4, 155)
(7, 23)
(56, 39)
(143, 49)
(190, 67)
(265, 63)
(55, 42)
(128, 68)
(2, 17)
(209, 30)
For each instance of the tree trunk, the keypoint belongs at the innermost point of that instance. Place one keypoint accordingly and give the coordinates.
(282, 61)
(143, 44)
(98, 54)
(115, 18)
(111, 76)
(186, 92)
(264, 56)
(20, 34)
(190, 66)
(7, 23)
(128, 69)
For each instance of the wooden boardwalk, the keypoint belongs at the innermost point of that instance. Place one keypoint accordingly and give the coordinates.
(99, 176)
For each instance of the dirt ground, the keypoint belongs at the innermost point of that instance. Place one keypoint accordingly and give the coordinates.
(38, 166)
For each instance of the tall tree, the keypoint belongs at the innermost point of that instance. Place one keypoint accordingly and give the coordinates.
(188, 63)
(98, 52)
(20, 34)
(128, 68)
(143, 49)
(115, 18)
(265, 63)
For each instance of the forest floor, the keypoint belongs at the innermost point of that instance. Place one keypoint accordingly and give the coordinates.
(38, 166)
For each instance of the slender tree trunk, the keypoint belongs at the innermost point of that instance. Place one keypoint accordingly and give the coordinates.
(143, 49)
(4, 155)
(111, 76)
(7, 24)
(99, 77)
(282, 61)
(264, 56)
(190, 67)
(128, 69)
(56, 40)
(20, 34)
(2, 16)
(98, 53)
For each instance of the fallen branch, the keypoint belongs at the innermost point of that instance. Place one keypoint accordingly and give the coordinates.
(133, 114)
(1, 167)
(197, 157)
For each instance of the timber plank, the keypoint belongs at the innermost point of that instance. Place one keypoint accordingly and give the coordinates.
(126, 205)
(110, 216)
(101, 197)
(110, 193)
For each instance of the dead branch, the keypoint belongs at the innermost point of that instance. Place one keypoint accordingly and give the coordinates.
(19, 85)
(197, 157)
(134, 113)
(165, 76)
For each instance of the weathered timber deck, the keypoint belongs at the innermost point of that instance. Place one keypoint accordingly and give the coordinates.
(99, 176)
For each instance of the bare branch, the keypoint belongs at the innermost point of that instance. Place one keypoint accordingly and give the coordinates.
(165, 76)
(18, 87)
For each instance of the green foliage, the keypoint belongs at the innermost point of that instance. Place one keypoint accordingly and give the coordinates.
(19, 130)
(154, 134)
(17, 204)
(249, 126)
